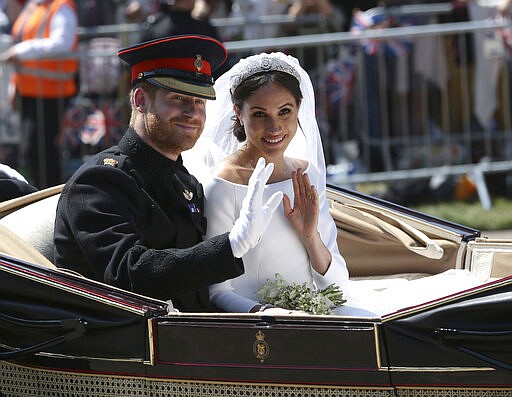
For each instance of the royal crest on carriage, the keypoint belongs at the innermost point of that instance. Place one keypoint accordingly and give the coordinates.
(260, 347)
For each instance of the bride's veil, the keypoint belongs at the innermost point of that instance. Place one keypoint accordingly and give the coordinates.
(217, 140)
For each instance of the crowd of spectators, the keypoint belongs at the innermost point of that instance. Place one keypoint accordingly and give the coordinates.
(95, 118)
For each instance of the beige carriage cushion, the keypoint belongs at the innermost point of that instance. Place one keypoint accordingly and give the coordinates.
(373, 248)
(13, 245)
(34, 223)
(490, 258)
(502, 265)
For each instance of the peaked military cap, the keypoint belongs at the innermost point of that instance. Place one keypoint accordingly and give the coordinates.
(182, 63)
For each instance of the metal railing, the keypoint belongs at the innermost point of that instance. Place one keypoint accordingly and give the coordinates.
(381, 119)
(453, 126)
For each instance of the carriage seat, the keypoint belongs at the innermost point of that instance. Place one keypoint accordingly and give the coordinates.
(34, 223)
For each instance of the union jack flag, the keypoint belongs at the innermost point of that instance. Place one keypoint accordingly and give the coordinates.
(90, 126)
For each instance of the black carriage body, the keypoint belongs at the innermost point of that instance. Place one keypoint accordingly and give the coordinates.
(62, 334)
(117, 339)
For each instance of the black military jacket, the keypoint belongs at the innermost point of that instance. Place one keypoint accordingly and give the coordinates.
(133, 218)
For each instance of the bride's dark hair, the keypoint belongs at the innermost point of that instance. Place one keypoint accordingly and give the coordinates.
(247, 87)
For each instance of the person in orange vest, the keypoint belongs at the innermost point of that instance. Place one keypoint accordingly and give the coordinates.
(42, 86)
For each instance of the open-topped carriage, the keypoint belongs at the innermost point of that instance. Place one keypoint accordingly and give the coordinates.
(63, 334)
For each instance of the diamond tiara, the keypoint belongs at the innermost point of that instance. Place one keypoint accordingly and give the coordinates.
(260, 64)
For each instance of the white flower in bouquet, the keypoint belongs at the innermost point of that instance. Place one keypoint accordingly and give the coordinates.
(294, 296)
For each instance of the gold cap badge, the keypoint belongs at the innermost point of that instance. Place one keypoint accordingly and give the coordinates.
(198, 62)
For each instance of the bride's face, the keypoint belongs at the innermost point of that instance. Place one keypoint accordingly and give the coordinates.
(269, 117)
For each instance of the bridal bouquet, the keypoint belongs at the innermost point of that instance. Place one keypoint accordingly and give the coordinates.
(294, 296)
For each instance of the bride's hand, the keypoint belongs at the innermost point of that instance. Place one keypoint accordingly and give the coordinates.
(255, 214)
(304, 214)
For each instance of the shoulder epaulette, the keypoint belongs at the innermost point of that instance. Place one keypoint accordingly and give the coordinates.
(121, 161)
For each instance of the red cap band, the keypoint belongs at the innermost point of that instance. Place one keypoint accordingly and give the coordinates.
(185, 64)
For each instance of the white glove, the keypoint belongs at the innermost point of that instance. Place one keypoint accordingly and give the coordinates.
(254, 216)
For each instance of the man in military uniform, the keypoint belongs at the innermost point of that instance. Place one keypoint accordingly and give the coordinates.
(132, 216)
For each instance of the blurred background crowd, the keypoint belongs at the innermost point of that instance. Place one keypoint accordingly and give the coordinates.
(379, 101)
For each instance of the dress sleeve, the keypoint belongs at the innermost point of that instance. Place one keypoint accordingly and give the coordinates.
(337, 272)
(222, 207)
(223, 296)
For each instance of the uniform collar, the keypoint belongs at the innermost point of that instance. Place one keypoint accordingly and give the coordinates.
(146, 157)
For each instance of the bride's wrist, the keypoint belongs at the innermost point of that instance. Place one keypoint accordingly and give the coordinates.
(310, 241)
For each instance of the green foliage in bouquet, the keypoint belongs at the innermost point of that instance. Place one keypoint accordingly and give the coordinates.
(294, 296)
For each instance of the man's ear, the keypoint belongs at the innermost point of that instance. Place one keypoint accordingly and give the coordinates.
(140, 99)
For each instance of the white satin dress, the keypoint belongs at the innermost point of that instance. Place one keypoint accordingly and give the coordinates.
(279, 251)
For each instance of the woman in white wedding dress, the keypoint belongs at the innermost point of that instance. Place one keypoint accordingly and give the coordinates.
(265, 108)
(270, 110)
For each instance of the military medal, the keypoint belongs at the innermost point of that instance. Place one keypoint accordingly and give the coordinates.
(193, 209)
